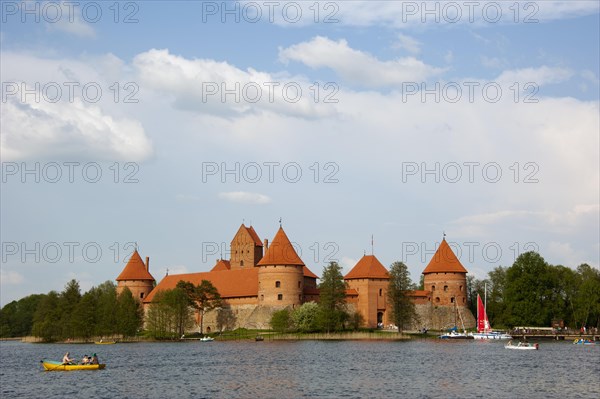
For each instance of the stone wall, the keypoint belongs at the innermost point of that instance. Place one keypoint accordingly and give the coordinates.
(442, 317)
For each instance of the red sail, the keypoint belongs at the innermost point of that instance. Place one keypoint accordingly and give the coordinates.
(483, 324)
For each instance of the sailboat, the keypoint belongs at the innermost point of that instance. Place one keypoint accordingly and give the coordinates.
(453, 333)
(484, 330)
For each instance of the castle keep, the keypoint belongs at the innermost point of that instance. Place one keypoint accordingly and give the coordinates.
(261, 278)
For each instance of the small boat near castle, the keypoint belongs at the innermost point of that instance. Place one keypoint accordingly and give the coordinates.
(582, 341)
(453, 334)
(484, 330)
(522, 346)
(207, 339)
(51, 365)
(101, 342)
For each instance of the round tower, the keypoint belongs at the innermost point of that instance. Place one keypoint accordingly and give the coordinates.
(280, 274)
(136, 276)
(446, 278)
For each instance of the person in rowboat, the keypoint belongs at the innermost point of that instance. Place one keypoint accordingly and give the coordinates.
(66, 359)
(94, 359)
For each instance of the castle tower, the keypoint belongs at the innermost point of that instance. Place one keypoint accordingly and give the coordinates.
(446, 278)
(370, 279)
(280, 274)
(136, 276)
(246, 248)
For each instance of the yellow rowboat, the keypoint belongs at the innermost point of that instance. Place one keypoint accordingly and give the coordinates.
(50, 365)
(105, 342)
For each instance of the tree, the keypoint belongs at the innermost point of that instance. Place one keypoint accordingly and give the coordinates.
(332, 301)
(225, 319)
(281, 320)
(106, 317)
(587, 299)
(203, 297)
(528, 292)
(403, 309)
(304, 318)
(68, 301)
(46, 319)
(16, 318)
(169, 314)
(84, 315)
(129, 314)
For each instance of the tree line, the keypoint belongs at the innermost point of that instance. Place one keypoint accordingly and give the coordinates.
(533, 292)
(58, 316)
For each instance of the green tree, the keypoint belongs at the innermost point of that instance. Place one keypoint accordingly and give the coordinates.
(587, 299)
(356, 320)
(281, 320)
(203, 297)
(403, 309)
(169, 314)
(106, 317)
(69, 298)
(332, 298)
(129, 314)
(529, 291)
(84, 315)
(496, 306)
(47, 317)
(304, 318)
(16, 318)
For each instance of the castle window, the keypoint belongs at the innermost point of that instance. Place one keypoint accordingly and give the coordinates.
(141, 294)
(380, 292)
(437, 299)
(299, 284)
(242, 263)
(452, 300)
(277, 284)
(433, 288)
(279, 297)
(461, 288)
(445, 288)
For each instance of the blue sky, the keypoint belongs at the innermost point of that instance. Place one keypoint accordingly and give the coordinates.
(372, 134)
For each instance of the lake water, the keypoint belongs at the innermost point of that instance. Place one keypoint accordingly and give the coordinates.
(306, 369)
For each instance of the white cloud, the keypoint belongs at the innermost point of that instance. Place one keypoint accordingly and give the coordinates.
(245, 197)
(408, 43)
(9, 277)
(541, 76)
(63, 130)
(68, 19)
(357, 67)
(494, 62)
(201, 86)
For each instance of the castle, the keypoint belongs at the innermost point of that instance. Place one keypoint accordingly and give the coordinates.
(261, 278)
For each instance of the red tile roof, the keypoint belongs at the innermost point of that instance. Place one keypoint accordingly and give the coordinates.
(229, 283)
(135, 269)
(444, 261)
(255, 236)
(368, 267)
(351, 292)
(308, 273)
(250, 230)
(222, 264)
(281, 252)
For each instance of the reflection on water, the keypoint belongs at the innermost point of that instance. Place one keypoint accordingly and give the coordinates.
(323, 369)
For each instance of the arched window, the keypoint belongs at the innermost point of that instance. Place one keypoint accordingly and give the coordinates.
(277, 284)
(437, 299)
(279, 297)
(452, 300)
(433, 288)
(461, 288)
(242, 263)
(380, 292)
(445, 288)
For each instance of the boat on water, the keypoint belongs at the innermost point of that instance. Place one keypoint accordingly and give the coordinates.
(582, 341)
(452, 334)
(484, 330)
(105, 342)
(51, 365)
(207, 339)
(522, 346)
(259, 338)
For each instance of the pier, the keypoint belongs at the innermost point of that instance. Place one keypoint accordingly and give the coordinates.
(552, 333)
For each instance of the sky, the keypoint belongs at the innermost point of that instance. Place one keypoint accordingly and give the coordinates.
(361, 126)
